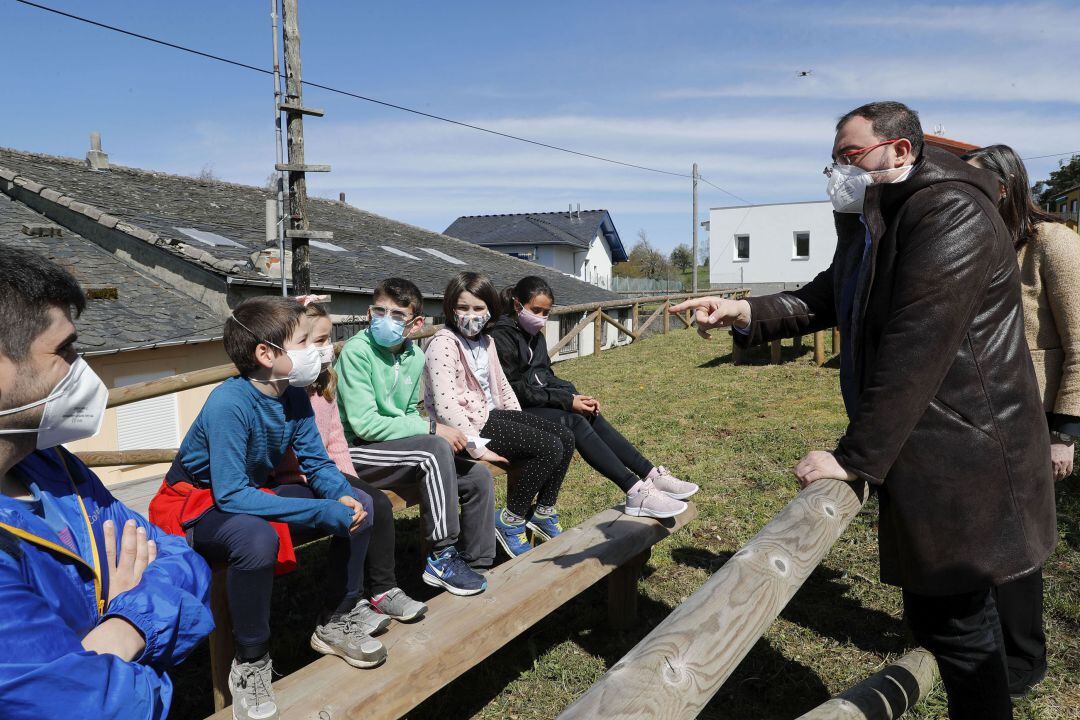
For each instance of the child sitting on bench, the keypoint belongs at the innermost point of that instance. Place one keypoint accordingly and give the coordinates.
(380, 580)
(466, 389)
(651, 490)
(216, 493)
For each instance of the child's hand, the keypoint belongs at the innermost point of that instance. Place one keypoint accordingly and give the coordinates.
(585, 405)
(457, 439)
(494, 458)
(358, 511)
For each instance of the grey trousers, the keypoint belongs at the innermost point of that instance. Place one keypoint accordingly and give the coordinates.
(444, 480)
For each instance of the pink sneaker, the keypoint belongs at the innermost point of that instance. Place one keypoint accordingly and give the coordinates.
(648, 501)
(670, 485)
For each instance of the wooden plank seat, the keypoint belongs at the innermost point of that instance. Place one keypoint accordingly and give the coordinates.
(429, 654)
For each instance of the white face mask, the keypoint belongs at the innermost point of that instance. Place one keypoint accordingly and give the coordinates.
(470, 325)
(846, 185)
(74, 409)
(306, 366)
(326, 354)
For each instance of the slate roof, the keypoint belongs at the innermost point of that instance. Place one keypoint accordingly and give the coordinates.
(545, 228)
(152, 205)
(145, 310)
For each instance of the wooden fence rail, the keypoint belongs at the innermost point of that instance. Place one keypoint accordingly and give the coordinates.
(680, 665)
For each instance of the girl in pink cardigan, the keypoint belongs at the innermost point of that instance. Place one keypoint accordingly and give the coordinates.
(387, 599)
(466, 389)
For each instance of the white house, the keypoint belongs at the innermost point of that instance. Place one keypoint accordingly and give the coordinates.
(580, 243)
(770, 247)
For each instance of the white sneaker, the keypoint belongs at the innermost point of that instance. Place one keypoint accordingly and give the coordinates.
(648, 501)
(249, 683)
(670, 485)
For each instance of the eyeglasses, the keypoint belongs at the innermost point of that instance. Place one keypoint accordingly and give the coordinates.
(380, 311)
(851, 156)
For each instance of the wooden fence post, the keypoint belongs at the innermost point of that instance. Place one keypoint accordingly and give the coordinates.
(623, 592)
(666, 320)
(221, 639)
(774, 352)
(598, 333)
(819, 348)
(836, 341)
(634, 312)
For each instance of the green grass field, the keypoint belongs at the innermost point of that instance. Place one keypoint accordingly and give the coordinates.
(737, 431)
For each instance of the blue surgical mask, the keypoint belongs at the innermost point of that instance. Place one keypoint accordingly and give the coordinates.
(387, 332)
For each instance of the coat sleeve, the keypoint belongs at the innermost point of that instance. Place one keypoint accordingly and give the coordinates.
(787, 314)
(1061, 280)
(942, 271)
(322, 474)
(443, 365)
(45, 671)
(171, 604)
(506, 393)
(516, 368)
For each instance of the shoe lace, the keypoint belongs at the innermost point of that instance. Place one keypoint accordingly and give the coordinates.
(457, 566)
(255, 680)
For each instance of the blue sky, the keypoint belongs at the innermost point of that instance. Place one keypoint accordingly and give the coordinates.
(655, 83)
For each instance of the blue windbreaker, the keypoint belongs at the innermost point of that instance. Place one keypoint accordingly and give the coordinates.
(53, 587)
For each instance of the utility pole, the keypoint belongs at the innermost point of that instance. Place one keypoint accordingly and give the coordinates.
(299, 225)
(694, 249)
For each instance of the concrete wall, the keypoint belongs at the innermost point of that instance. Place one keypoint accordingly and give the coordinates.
(188, 403)
(772, 231)
(596, 265)
(592, 265)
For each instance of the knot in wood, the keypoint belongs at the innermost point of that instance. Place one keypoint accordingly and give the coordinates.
(781, 565)
(829, 509)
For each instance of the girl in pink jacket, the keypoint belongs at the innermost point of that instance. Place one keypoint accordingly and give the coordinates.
(466, 389)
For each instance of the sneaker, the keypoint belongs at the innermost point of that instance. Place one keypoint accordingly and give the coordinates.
(396, 604)
(512, 537)
(670, 485)
(371, 621)
(343, 635)
(544, 527)
(648, 501)
(249, 683)
(446, 569)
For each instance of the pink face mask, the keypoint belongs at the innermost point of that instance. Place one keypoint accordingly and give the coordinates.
(530, 322)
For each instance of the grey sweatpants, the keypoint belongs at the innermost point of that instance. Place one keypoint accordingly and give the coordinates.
(444, 481)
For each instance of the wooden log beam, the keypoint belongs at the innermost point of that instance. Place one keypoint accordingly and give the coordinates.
(165, 386)
(617, 325)
(666, 320)
(458, 633)
(649, 320)
(635, 310)
(574, 332)
(885, 695)
(106, 458)
(598, 332)
(819, 348)
(682, 319)
(627, 302)
(836, 341)
(680, 665)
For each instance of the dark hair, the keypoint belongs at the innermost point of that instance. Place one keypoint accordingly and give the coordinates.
(259, 320)
(477, 284)
(890, 119)
(526, 289)
(29, 285)
(403, 292)
(326, 383)
(1019, 211)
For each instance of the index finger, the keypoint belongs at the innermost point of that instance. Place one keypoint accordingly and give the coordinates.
(691, 304)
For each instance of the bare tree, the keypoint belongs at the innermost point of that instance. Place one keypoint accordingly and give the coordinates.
(207, 173)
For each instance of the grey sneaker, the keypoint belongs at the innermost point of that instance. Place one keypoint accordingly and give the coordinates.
(342, 635)
(370, 621)
(670, 485)
(253, 697)
(396, 604)
(649, 501)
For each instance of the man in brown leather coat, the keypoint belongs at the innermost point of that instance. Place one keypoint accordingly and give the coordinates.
(945, 417)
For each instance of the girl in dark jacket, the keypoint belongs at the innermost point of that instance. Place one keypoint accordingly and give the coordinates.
(650, 490)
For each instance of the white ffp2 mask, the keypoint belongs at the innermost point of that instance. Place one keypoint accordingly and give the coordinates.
(74, 409)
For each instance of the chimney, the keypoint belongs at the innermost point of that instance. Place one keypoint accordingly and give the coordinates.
(570, 211)
(95, 159)
(579, 211)
(341, 197)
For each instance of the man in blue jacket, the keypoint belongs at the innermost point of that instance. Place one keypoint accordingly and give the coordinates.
(89, 621)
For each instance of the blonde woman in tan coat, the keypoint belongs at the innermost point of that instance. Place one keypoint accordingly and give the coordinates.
(1049, 257)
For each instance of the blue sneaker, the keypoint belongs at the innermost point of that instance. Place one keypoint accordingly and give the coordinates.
(512, 537)
(544, 527)
(446, 569)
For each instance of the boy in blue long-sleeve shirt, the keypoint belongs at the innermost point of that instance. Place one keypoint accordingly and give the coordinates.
(245, 428)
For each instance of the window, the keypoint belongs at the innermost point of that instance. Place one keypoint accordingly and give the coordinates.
(399, 253)
(208, 238)
(150, 423)
(566, 324)
(802, 246)
(443, 256)
(327, 246)
(742, 247)
(531, 257)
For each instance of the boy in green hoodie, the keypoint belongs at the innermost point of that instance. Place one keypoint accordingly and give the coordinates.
(379, 372)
